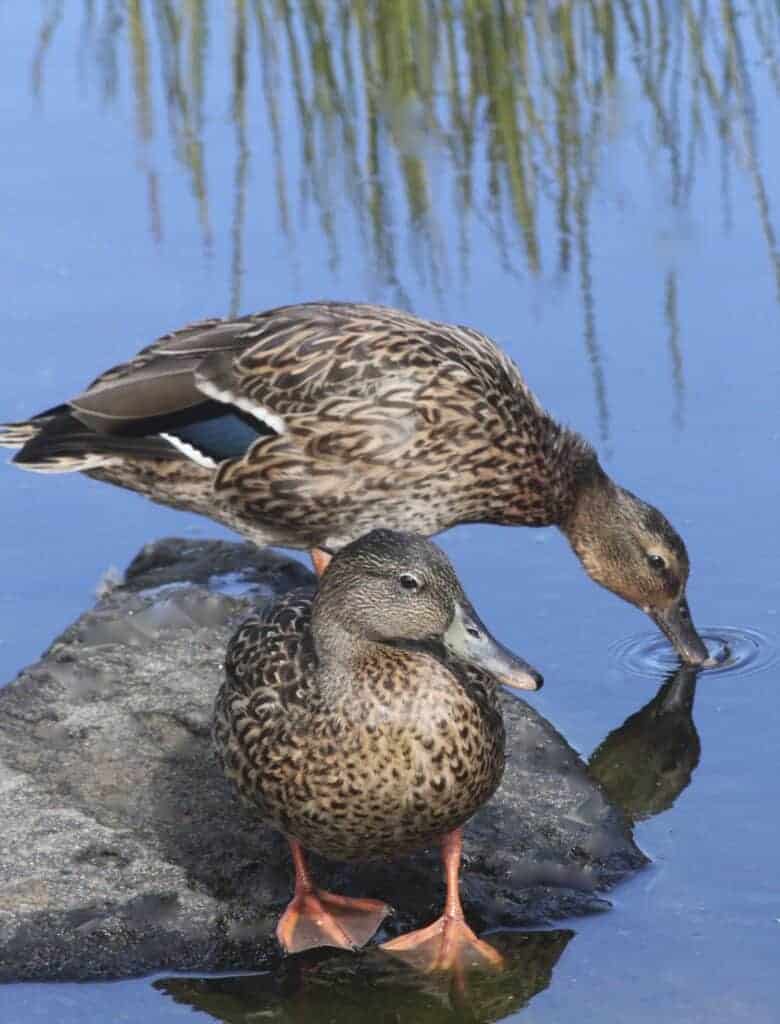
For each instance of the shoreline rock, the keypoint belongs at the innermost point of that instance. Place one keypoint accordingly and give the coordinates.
(124, 851)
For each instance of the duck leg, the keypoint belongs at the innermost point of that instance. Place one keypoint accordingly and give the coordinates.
(315, 917)
(320, 560)
(448, 943)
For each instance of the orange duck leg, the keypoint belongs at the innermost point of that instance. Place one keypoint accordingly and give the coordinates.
(315, 917)
(448, 944)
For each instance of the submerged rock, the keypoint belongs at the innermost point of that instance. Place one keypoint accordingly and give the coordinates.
(124, 850)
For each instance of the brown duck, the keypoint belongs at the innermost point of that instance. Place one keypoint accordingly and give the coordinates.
(364, 722)
(309, 425)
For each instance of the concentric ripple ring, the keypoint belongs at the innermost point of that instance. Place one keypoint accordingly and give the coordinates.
(741, 651)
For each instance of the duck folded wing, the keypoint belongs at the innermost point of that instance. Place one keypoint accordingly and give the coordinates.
(160, 381)
(150, 407)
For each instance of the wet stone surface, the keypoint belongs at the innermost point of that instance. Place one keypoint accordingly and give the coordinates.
(124, 850)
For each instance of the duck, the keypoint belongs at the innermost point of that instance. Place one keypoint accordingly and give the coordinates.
(308, 425)
(363, 721)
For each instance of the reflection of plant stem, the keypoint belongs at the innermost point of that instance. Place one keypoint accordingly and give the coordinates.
(49, 26)
(666, 133)
(584, 176)
(741, 80)
(314, 185)
(268, 60)
(140, 70)
(183, 102)
(198, 37)
(767, 43)
(725, 157)
(143, 110)
(563, 175)
(673, 324)
(461, 155)
(86, 38)
(238, 116)
(581, 197)
(379, 210)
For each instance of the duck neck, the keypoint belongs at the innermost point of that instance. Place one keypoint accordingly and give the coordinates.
(593, 498)
(555, 468)
(341, 653)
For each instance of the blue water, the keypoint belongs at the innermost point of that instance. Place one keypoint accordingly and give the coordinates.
(639, 295)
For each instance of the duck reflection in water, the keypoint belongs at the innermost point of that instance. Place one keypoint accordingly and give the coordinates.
(320, 986)
(648, 761)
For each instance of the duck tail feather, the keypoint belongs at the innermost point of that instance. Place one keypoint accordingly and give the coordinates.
(15, 435)
(63, 444)
(18, 434)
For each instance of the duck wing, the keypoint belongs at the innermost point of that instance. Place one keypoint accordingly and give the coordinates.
(315, 421)
(339, 375)
(148, 407)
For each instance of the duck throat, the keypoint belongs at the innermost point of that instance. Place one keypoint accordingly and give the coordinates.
(552, 469)
(341, 652)
(585, 524)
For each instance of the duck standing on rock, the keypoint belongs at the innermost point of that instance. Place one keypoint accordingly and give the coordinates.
(364, 722)
(307, 426)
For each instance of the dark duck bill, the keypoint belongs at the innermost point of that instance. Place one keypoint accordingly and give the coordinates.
(676, 623)
(468, 639)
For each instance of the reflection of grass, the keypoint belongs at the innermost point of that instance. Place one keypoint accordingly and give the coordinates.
(498, 109)
(49, 25)
(673, 323)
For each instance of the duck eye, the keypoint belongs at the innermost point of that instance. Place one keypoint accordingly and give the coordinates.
(473, 631)
(656, 562)
(409, 582)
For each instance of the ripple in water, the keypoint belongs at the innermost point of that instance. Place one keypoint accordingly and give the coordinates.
(741, 651)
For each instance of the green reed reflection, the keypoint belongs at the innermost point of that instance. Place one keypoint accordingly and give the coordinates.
(414, 121)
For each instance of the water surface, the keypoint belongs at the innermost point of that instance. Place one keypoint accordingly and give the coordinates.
(593, 185)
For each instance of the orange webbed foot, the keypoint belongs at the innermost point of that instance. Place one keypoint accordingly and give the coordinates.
(446, 945)
(318, 918)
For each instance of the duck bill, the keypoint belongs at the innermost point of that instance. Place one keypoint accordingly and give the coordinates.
(676, 623)
(468, 639)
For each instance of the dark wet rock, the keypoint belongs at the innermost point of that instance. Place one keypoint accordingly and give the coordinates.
(123, 850)
(353, 989)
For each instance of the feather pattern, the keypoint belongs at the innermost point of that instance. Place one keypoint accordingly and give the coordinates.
(413, 748)
(324, 420)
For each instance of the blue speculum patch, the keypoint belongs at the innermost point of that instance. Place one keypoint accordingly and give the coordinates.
(223, 435)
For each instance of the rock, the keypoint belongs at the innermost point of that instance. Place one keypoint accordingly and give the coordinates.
(124, 850)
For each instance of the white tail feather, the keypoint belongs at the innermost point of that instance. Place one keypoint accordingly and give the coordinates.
(14, 435)
(68, 464)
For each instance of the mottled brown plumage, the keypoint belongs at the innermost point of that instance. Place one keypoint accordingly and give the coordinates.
(370, 747)
(309, 425)
(398, 755)
(364, 721)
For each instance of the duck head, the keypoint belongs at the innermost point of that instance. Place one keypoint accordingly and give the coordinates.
(400, 589)
(630, 548)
